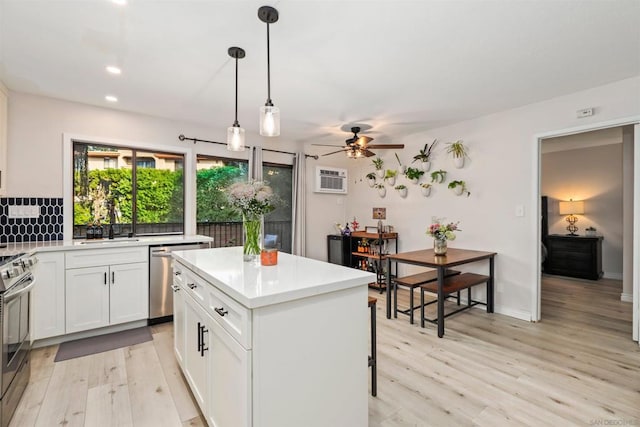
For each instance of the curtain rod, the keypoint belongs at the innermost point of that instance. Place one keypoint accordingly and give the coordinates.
(184, 138)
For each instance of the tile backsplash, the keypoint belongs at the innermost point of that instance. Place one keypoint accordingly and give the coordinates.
(23, 227)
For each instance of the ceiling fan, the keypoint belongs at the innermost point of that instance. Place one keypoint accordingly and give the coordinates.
(358, 146)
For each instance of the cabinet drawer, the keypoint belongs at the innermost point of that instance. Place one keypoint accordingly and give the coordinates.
(95, 257)
(195, 286)
(571, 246)
(232, 316)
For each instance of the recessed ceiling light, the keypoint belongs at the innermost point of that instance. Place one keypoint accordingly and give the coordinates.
(113, 69)
(111, 98)
(120, 2)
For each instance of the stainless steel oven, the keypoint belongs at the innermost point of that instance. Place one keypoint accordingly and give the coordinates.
(16, 282)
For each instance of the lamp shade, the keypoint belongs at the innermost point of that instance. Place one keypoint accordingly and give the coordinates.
(572, 207)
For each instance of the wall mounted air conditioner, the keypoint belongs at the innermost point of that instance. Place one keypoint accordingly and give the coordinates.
(331, 180)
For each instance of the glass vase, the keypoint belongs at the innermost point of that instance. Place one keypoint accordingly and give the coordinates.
(252, 237)
(440, 246)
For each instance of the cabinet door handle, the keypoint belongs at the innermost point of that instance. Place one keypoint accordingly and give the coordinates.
(177, 273)
(113, 277)
(199, 338)
(202, 347)
(175, 288)
(221, 311)
(105, 277)
(192, 285)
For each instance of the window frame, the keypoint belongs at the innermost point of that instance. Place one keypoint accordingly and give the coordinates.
(67, 168)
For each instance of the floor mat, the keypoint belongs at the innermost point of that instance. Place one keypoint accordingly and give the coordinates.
(93, 345)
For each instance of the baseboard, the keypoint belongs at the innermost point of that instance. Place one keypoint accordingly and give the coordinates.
(624, 297)
(90, 333)
(614, 276)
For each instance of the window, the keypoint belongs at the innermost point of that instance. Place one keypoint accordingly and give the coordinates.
(277, 224)
(145, 199)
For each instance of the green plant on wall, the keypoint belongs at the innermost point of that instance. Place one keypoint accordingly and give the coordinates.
(378, 163)
(413, 173)
(424, 155)
(457, 149)
(438, 176)
(390, 174)
(460, 187)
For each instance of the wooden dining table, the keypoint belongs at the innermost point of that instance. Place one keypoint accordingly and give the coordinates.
(453, 257)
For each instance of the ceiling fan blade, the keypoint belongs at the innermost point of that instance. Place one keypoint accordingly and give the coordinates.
(368, 153)
(364, 140)
(334, 152)
(386, 146)
(328, 145)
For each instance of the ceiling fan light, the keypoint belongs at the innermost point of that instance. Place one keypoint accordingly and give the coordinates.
(269, 120)
(235, 138)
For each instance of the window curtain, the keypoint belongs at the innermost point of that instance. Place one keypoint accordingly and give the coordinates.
(255, 164)
(298, 222)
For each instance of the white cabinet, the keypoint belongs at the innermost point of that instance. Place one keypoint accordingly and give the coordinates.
(99, 295)
(215, 365)
(47, 297)
(3, 139)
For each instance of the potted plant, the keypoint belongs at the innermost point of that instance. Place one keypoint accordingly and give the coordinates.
(459, 187)
(390, 176)
(424, 156)
(425, 188)
(371, 179)
(378, 163)
(413, 174)
(382, 191)
(402, 168)
(438, 176)
(458, 151)
(590, 231)
(402, 189)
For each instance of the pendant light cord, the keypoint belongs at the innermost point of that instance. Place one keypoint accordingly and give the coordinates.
(235, 123)
(268, 69)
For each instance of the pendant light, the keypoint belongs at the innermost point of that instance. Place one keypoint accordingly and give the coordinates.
(269, 114)
(235, 134)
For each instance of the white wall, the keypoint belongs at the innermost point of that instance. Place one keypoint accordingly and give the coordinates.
(500, 175)
(594, 175)
(36, 125)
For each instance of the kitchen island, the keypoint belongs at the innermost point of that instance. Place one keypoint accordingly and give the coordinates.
(284, 345)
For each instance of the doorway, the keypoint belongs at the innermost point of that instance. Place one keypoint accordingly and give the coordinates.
(631, 196)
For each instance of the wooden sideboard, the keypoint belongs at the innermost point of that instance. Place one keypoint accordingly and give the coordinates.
(574, 256)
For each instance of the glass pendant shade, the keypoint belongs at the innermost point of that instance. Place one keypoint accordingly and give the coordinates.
(235, 138)
(269, 120)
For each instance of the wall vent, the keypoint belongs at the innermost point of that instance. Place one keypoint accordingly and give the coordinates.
(331, 180)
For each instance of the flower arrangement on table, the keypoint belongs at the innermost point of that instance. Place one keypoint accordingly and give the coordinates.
(442, 232)
(252, 199)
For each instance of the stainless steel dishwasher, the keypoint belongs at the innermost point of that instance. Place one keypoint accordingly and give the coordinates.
(161, 279)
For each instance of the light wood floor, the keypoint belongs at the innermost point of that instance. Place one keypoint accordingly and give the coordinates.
(576, 367)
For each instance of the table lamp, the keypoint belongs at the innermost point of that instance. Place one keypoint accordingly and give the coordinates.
(571, 208)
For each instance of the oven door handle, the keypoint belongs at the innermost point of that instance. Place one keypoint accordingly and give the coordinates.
(14, 294)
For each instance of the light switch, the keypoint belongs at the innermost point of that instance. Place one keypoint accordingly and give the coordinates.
(519, 210)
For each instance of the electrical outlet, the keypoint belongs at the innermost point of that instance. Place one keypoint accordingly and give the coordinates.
(16, 211)
(585, 112)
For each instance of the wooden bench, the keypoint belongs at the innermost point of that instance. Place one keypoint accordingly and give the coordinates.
(453, 284)
(372, 358)
(411, 282)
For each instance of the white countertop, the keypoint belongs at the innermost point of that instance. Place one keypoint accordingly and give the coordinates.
(65, 245)
(255, 286)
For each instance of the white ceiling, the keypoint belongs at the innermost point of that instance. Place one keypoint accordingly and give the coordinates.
(397, 67)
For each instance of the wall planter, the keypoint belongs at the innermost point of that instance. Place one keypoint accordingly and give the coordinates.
(371, 179)
(459, 188)
(425, 189)
(378, 163)
(402, 190)
(424, 156)
(413, 174)
(390, 177)
(438, 177)
(382, 191)
(458, 151)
